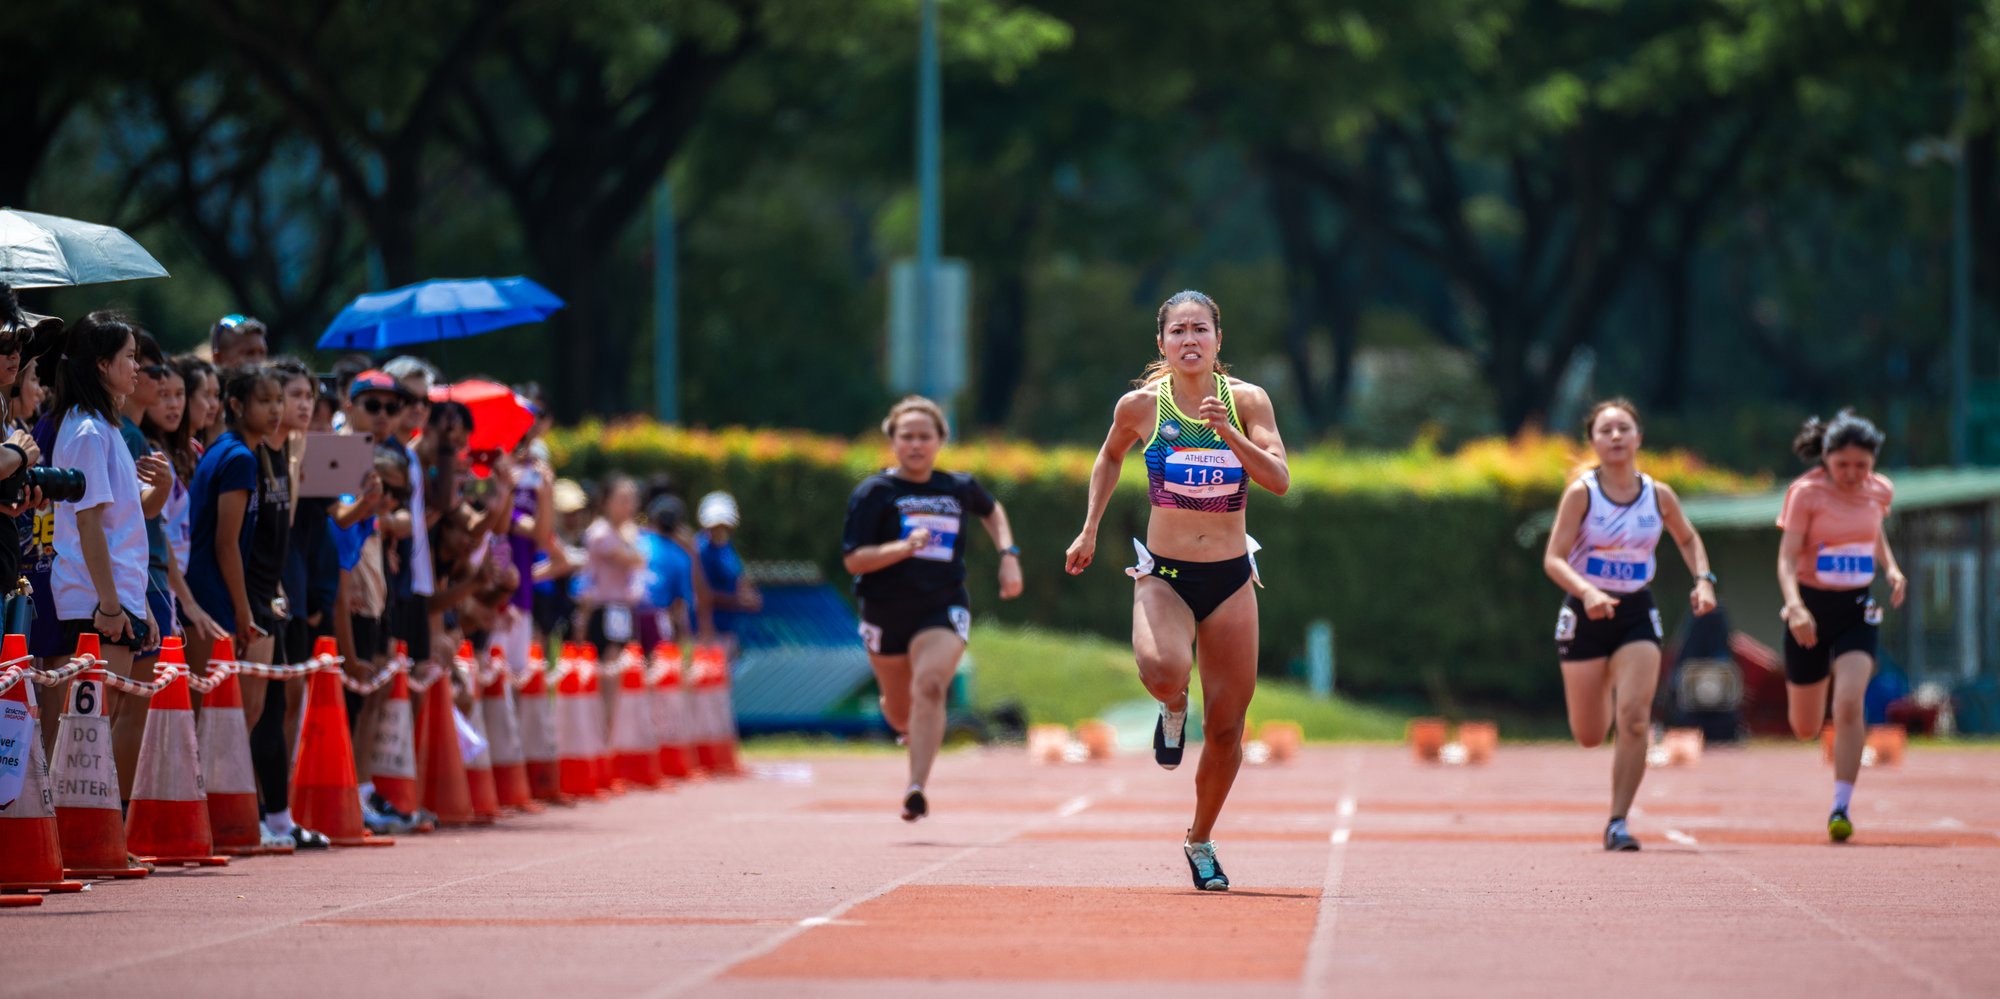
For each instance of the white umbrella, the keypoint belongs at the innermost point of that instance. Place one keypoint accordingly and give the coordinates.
(48, 251)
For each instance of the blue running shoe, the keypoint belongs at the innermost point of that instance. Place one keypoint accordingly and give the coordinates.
(1206, 869)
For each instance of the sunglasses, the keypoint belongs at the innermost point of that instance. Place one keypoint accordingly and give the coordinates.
(378, 406)
(149, 370)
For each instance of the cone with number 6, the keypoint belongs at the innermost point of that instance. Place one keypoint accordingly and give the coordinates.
(85, 778)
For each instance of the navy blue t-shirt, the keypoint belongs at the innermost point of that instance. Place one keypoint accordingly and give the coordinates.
(228, 466)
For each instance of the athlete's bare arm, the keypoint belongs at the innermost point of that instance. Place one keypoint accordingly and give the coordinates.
(1002, 532)
(1257, 445)
(1129, 426)
(870, 558)
(1702, 599)
(1597, 604)
(1804, 629)
(1898, 584)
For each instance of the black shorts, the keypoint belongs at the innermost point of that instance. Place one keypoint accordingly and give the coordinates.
(410, 622)
(887, 627)
(1578, 638)
(1203, 586)
(141, 640)
(295, 641)
(369, 642)
(1845, 621)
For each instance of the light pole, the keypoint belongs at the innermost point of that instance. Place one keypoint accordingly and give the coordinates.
(930, 221)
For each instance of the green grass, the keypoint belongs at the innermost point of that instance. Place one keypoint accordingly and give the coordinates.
(1066, 678)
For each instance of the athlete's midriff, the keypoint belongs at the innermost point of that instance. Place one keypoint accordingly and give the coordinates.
(1196, 536)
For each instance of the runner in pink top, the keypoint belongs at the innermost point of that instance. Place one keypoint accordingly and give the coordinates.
(1831, 552)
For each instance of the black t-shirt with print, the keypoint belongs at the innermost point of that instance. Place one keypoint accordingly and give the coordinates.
(885, 508)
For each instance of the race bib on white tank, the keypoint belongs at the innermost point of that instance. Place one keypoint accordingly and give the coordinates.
(1203, 472)
(1618, 570)
(1845, 567)
(944, 534)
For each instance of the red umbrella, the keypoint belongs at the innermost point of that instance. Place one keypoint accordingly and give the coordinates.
(499, 418)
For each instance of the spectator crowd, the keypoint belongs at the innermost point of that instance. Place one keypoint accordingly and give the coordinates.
(149, 495)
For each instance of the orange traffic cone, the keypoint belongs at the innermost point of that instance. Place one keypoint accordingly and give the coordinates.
(538, 737)
(30, 846)
(603, 765)
(167, 821)
(226, 776)
(715, 724)
(393, 763)
(636, 748)
(325, 794)
(668, 710)
(479, 768)
(85, 777)
(445, 790)
(510, 771)
(576, 721)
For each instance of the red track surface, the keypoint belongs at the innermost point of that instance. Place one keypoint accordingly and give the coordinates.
(1357, 871)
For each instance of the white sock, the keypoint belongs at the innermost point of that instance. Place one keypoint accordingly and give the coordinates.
(915, 787)
(367, 789)
(279, 823)
(1843, 793)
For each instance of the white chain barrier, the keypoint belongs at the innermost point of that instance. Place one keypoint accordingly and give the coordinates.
(13, 671)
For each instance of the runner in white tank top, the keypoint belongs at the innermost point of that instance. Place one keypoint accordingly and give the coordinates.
(1614, 547)
(1601, 551)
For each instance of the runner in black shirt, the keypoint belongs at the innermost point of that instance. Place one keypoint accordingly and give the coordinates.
(905, 544)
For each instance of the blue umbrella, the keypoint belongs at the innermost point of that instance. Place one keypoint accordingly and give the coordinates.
(435, 311)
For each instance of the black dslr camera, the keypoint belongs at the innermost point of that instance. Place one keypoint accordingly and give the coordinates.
(58, 485)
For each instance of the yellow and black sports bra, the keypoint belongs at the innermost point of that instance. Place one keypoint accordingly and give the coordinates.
(1188, 467)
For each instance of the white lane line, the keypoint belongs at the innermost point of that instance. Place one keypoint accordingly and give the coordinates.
(1318, 979)
(704, 976)
(1682, 838)
(95, 969)
(1884, 954)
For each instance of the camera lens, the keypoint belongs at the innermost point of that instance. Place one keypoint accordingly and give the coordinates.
(59, 485)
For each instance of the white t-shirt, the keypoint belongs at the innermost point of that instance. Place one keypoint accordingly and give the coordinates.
(111, 480)
(179, 506)
(423, 581)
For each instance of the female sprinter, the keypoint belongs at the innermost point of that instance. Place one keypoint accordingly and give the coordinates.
(1608, 632)
(1832, 547)
(905, 544)
(1207, 436)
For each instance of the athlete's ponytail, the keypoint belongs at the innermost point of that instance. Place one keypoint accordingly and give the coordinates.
(916, 404)
(1161, 367)
(1818, 438)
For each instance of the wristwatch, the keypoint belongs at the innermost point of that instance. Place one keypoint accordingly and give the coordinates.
(1014, 550)
(1710, 577)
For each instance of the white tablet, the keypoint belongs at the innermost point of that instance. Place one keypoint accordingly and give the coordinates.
(335, 464)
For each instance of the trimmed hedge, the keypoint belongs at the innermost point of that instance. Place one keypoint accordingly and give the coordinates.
(1414, 556)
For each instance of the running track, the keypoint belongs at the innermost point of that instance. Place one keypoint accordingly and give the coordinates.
(1358, 872)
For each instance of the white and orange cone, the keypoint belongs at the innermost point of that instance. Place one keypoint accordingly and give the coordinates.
(84, 775)
(668, 709)
(510, 771)
(538, 736)
(224, 738)
(635, 747)
(30, 846)
(167, 822)
(393, 757)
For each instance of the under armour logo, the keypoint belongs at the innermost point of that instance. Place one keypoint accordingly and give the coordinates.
(1171, 573)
